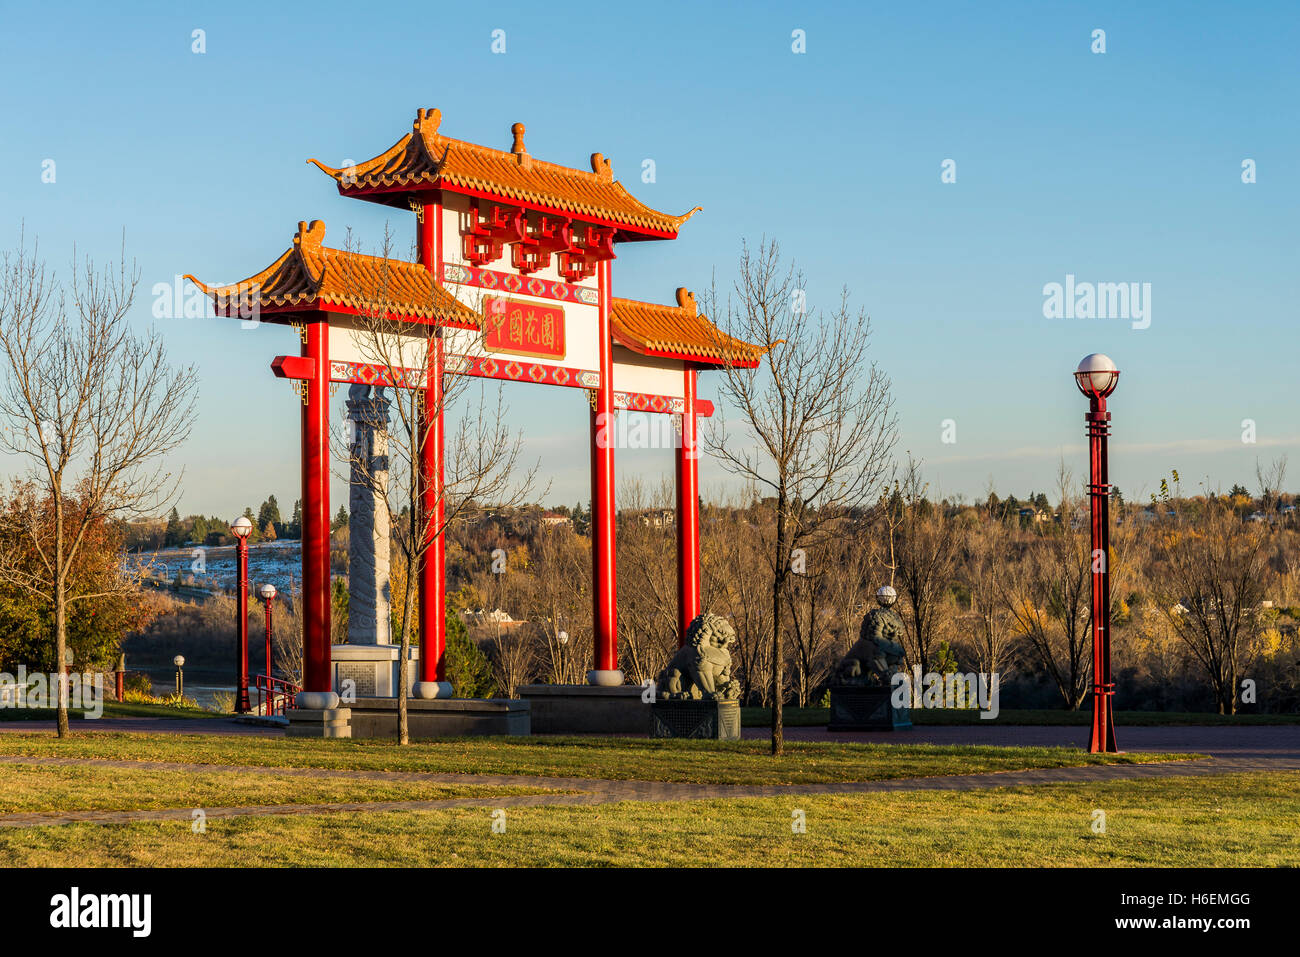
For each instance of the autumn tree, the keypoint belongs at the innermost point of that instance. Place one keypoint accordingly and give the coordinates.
(94, 410)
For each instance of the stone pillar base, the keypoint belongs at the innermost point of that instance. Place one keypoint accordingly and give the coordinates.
(428, 690)
(587, 709)
(316, 700)
(605, 679)
(319, 723)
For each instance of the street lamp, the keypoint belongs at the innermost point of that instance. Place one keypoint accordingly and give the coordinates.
(241, 528)
(268, 595)
(179, 662)
(1096, 378)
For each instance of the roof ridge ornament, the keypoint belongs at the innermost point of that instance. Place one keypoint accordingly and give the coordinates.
(430, 118)
(686, 300)
(309, 238)
(601, 167)
(310, 234)
(518, 148)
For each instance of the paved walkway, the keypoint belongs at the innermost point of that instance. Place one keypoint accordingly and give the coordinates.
(1276, 752)
(1266, 742)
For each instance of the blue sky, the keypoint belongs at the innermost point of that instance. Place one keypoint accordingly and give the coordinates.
(1117, 167)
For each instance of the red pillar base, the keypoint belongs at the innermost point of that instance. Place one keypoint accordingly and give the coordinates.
(1103, 722)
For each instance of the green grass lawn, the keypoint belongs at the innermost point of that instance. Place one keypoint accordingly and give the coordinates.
(706, 762)
(1221, 821)
(28, 788)
(815, 717)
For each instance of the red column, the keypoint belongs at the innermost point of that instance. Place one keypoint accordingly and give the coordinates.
(316, 672)
(433, 570)
(1103, 688)
(433, 609)
(688, 513)
(604, 601)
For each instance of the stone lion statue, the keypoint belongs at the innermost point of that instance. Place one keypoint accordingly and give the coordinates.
(878, 653)
(702, 667)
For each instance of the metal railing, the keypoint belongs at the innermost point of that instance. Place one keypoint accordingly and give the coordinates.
(275, 695)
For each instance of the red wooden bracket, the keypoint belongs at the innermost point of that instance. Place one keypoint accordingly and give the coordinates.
(294, 367)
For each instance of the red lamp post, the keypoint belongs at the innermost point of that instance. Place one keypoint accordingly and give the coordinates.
(1096, 378)
(268, 595)
(241, 528)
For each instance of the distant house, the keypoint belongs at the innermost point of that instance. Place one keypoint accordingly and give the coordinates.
(652, 517)
(553, 519)
(497, 617)
(658, 517)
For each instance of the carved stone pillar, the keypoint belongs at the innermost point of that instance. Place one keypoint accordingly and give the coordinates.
(368, 550)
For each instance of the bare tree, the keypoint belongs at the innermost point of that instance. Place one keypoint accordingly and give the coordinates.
(94, 409)
(817, 411)
(647, 586)
(1047, 588)
(735, 574)
(559, 602)
(1209, 587)
(480, 455)
(1271, 478)
(925, 555)
(993, 639)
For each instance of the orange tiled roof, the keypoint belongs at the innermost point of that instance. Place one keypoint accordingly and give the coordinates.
(424, 157)
(678, 330)
(309, 273)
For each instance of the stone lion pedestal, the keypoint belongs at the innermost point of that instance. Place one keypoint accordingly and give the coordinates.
(696, 696)
(862, 686)
(714, 719)
(866, 709)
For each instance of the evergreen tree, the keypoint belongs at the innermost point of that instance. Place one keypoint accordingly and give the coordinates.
(468, 669)
(256, 534)
(175, 531)
(295, 523)
(341, 519)
(269, 512)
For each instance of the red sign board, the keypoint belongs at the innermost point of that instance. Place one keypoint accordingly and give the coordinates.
(523, 328)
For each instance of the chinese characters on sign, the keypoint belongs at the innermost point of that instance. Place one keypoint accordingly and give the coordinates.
(523, 328)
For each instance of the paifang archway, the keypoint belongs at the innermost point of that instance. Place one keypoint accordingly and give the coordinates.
(515, 274)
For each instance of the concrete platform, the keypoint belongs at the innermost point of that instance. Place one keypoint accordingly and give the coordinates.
(440, 717)
(588, 709)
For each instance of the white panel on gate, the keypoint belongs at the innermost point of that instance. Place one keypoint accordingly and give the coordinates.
(638, 373)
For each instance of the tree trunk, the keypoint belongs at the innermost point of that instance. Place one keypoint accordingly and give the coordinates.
(61, 652)
(778, 583)
(403, 661)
